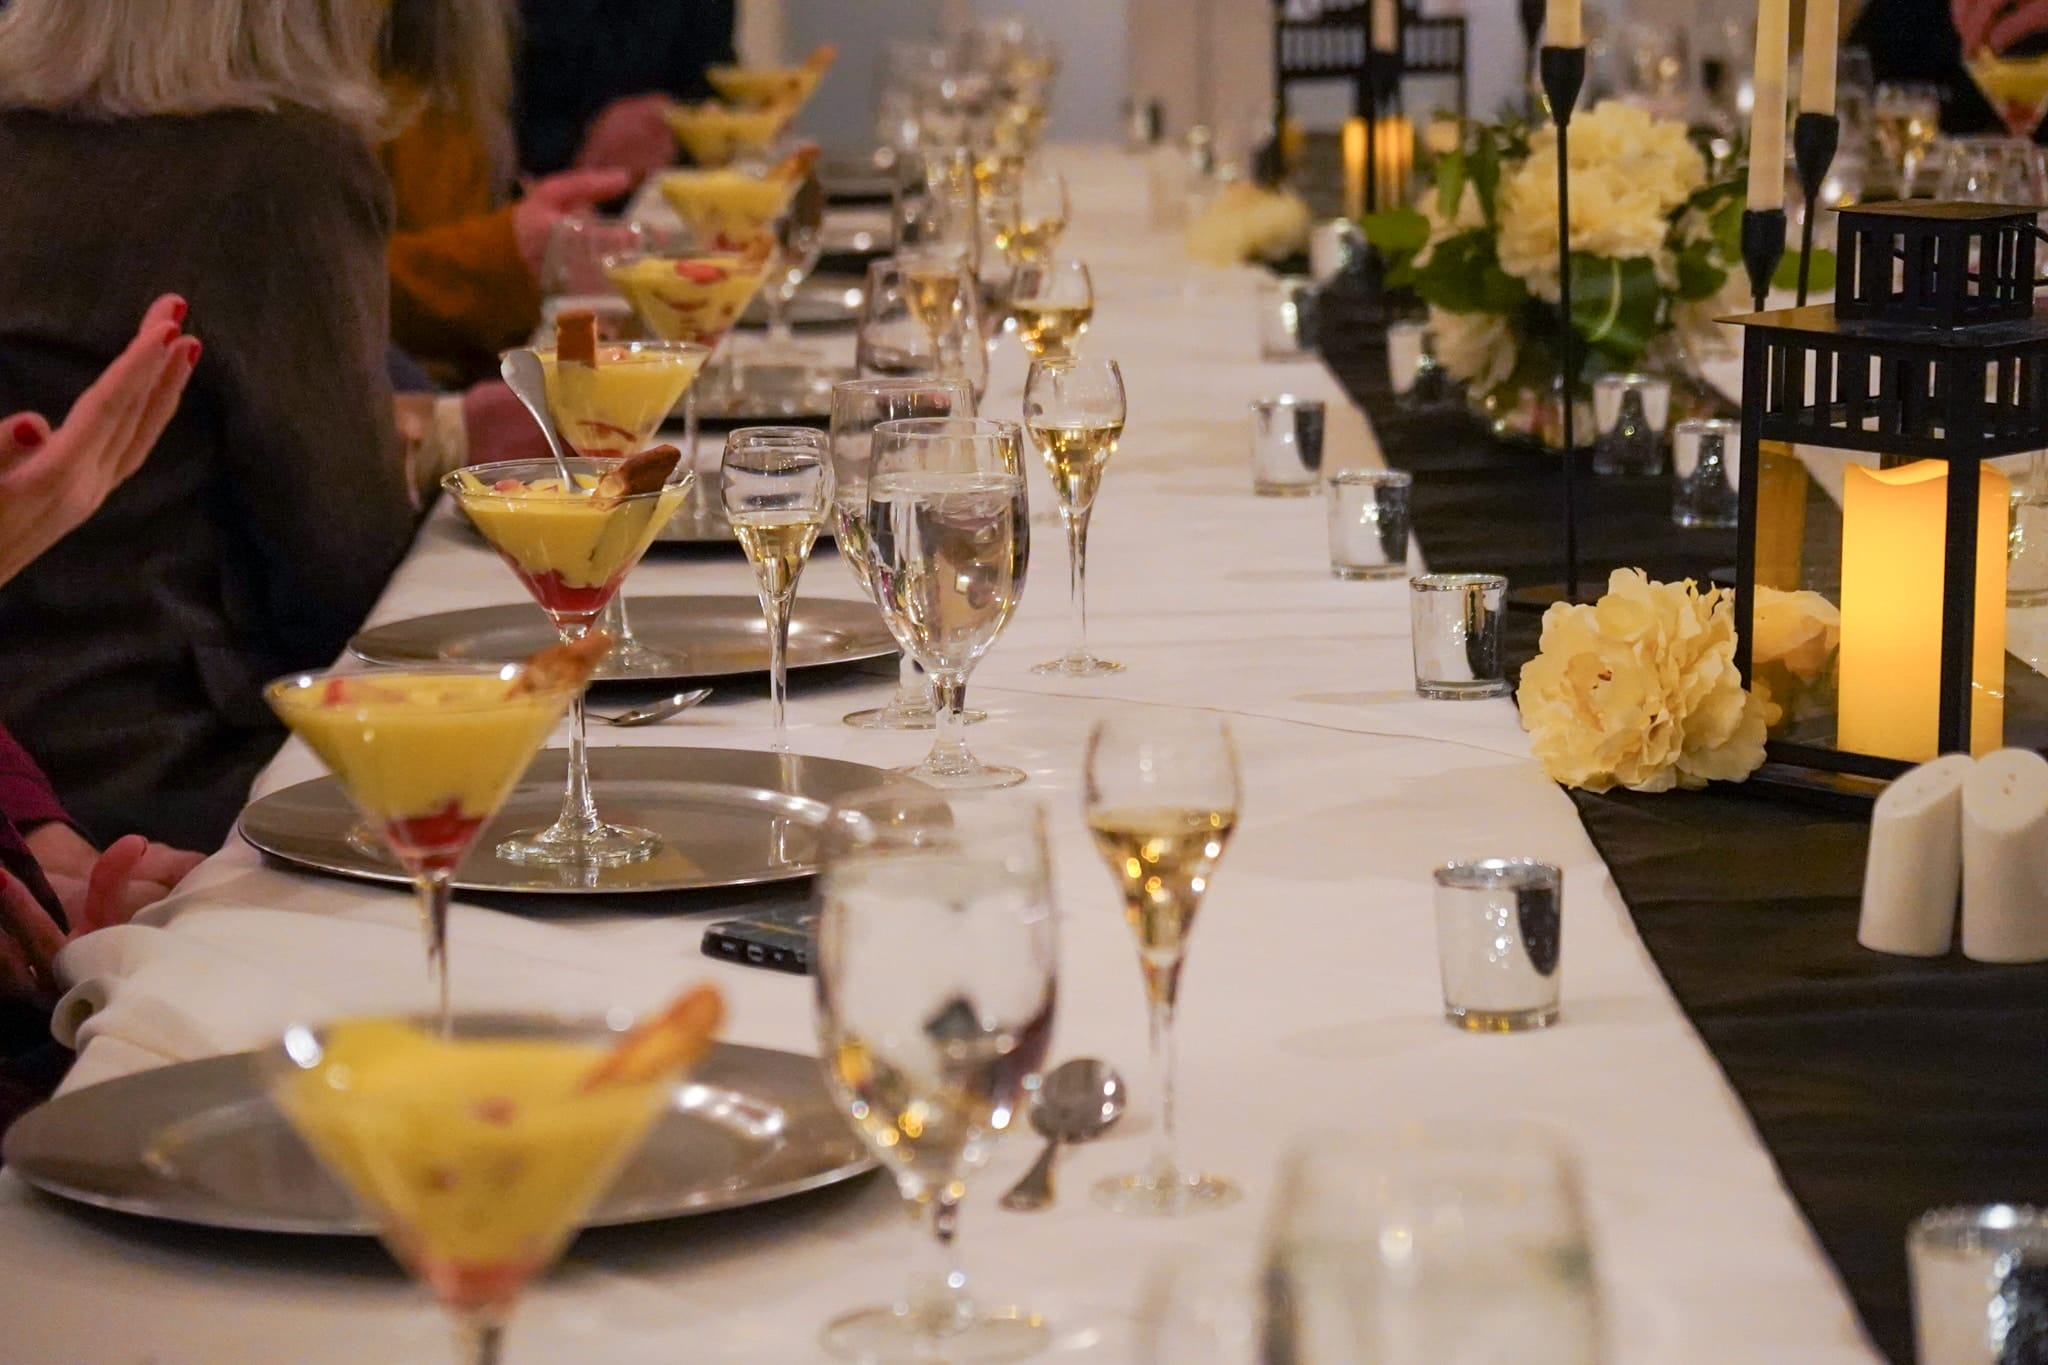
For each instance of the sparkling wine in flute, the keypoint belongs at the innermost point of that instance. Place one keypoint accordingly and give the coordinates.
(1162, 859)
(1050, 329)
(933, 290)
(948, 560)
(1029, 239)
(1075, 453)
(777, 544)
(850, 531)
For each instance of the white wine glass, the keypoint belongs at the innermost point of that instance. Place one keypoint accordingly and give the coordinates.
(1053, 302)
(777, 486)
(1074, 412)
(1161, 794)
(937, 961)
(858, 407)
(893, 341)
(1035, 215)
(1449, 1240)
(949, 539)
(940, 286)
(799, 242)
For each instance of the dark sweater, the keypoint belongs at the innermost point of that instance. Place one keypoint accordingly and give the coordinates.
(264, 524)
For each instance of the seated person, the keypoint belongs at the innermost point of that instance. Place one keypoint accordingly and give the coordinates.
(275, 506)
(595, 75)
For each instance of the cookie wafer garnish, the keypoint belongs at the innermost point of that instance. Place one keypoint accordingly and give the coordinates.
(672, 1041)
(566, 665)
(643, 473)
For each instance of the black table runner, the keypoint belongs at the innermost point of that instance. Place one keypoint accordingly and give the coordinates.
(1881, 1086)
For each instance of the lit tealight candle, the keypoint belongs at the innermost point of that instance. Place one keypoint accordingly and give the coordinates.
(1767, 114)
(1817, 60)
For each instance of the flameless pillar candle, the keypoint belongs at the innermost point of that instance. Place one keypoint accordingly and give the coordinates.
(1817, 59)
(1767, 114)
(1894, 524)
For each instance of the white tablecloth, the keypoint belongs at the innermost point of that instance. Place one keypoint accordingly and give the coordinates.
(1311, 998)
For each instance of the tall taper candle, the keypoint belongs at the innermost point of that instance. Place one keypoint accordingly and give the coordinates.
(1385, 28)
(1767, 117)
(1817, 60)
(1567, 24)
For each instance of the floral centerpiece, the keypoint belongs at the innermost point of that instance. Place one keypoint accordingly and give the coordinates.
(1655, 257)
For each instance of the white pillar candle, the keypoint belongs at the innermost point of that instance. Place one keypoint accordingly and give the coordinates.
(1767, 115)
(1566, 24)
(1915, 864)
(2005, 837)
(1817, 57)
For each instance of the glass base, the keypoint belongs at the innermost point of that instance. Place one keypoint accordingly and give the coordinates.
(1283, 490)
(1078, 666)
(1172, 1195)
(1368, 573)
(885, 1336)
(1501, 1021)
(1461, 691)
(562, 845)
(980, 777)
(904, 718)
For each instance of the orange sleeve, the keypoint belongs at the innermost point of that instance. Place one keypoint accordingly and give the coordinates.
(460, 291)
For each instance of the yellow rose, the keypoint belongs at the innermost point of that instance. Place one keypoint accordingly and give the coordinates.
(1794, 637)
(1245, 222)
(1640, 690)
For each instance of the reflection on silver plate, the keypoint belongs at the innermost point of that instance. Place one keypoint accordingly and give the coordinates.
(750, 391)
(199, 1143)
(824, 301)
(726, 817)
(699, 639)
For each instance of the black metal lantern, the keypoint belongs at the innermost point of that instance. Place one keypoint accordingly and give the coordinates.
(1877, 550)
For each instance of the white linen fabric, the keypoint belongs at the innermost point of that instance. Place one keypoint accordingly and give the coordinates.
(1311, 999)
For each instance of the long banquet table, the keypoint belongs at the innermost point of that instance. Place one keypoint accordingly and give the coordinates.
(1311, 999)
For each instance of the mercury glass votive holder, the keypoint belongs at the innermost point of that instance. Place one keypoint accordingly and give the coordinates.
(1705, 474)
(1630, 412)
(1498, 943)
(1455, 627)
(1980, 1285)
(1369, 522)
(1287, 318)
(1287, 446)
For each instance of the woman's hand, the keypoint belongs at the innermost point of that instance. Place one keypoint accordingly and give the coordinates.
(51, 481)
(554, 197)
(97, 890)
(630, 135)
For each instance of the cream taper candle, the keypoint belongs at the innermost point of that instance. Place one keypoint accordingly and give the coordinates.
(1817, 57)
(1915, 864)
(1767, 115)
(1385, 28)
(1566, 24)
(2005, 838)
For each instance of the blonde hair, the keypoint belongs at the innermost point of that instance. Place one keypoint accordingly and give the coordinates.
(132, 58)
(455, 57)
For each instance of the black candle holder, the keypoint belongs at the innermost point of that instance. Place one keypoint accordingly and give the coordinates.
(1563, 70)
(1814, 139)
(1763, 247)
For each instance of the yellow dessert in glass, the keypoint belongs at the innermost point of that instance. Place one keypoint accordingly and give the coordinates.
(759, 87)
(571, 547)
(610, 409)
(716, 135)
(727, 209)
(690, 298)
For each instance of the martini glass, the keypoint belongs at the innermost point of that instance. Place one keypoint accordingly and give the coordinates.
(731, 208)
(478, 1153)
(762, 87)
(427, 756)
(715, 135)
(607, 410)
(571, 548)
(2005, 50)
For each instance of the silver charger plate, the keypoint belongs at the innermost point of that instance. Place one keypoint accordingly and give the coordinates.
(699, 639)
(822, 301)
(726, 817)
(198, 1142)
(763, 392)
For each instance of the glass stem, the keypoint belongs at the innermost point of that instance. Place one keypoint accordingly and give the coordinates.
(949, 749)
(781, 337)
(1161, 984)
(615, 621)
(481, 1341)
(1077, 578)
(913, 693)
(698, 485)
(777, 609)
(434, 887)
(938, 1300)
(579, 809)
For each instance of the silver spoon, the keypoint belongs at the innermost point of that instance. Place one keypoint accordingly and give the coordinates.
(657, 711)
(529, 384)
(1078, 1102)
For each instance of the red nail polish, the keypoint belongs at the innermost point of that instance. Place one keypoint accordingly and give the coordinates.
(171, 333)
(27, 434)
(178, 310)
(193, 358)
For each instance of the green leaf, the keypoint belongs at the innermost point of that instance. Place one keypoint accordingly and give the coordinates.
(1615, 303)
(1483, 166)
(1450, 183)
(1820, 279)
(1700, 272)
(1396, 232)
(1463, 275)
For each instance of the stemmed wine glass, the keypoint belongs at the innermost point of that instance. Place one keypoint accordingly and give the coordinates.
(572, 548)
(858, 407)
(939, 285)
(1053, 302)
(1161, 795)
(937, 962)
(893, 341)
(1074, 410)
(949, 539)
(799, 242)
(1035, 216)
(777, 483)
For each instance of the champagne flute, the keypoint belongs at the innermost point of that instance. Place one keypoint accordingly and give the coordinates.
(949, 537)
(893, 341)
(1074, 410)
(858, 407)
(933, 1051)
(1036, 212)
(777, 484)
(1052, 302)
(1161, 793)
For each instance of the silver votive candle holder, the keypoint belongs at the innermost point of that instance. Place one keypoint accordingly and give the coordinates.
(1407, 355)
(1455, 629)
(1980, 1285)
(1369, 522)
(1705, 474)
(1287, 318)
(1630, 412)
(1287, 446)
(1499, 943)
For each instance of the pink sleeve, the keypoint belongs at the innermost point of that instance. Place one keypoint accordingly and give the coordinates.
(26, 798)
